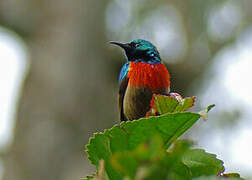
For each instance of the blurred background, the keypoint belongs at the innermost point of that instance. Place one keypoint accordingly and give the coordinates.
(58, 76)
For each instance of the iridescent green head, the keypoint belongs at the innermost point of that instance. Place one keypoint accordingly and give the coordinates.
(141, 51)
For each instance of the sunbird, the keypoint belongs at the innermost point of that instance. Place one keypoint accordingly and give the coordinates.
(140, 77)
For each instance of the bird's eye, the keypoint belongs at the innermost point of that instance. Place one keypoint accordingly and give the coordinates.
(137, 45)
(132, 44)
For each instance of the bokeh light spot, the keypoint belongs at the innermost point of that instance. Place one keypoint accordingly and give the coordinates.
(13, 65)
(223, 20)
(117, 15)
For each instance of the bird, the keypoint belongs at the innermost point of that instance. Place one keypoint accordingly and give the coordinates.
(140, 77)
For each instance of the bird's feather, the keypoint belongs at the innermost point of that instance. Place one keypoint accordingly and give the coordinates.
(122, 90)
(140, 82)
(154, 76)
(136, 102)
(124, 71)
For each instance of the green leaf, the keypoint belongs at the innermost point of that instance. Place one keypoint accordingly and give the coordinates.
(210, 107)
(204, 112)
(236, 175)
(156, 163)
(179, 172)
(216, 178)
(101, 174)
(168, 104)
(181, 130)
(123, 148)
(165, 104)
(101, 147)
(202, 163)
(127, 162)
(168, 126)
(188, 102)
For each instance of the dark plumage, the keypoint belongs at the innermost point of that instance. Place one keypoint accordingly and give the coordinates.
(140, 77)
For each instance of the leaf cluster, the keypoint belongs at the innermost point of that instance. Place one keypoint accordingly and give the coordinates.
(148, 148)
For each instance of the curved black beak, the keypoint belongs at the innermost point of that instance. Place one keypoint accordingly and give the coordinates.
(125, 46)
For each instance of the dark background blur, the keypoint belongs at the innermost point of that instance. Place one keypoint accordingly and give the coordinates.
(70, 90)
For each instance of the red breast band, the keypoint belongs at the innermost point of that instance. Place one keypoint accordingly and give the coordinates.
(148, 75)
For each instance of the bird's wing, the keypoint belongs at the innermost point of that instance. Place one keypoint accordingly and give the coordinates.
(122, 90)
(123, 81)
